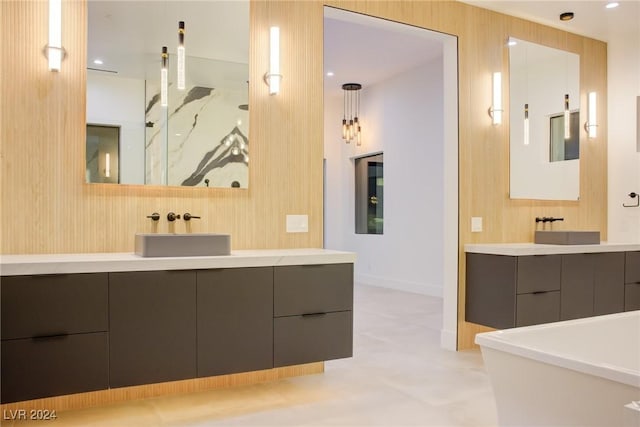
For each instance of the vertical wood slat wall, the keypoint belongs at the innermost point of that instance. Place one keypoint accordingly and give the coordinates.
(46, 207)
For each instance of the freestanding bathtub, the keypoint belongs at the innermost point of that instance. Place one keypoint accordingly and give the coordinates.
(573, 373)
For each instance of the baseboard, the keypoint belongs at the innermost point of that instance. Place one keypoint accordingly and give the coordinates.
(448, 340)
(400, 285)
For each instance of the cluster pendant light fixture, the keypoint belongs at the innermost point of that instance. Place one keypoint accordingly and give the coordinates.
(164, 69)
(351, 129)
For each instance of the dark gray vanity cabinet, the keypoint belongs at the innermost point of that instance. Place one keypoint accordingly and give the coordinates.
(592, 284)
(234, 320)
(313, 313)
(632, 281)
(152, 331)
(54, 335)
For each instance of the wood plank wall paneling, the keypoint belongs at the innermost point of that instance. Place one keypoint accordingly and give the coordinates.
(47, 208)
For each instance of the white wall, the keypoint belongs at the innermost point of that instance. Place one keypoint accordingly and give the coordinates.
(624, 160)
(119, 101)
(403, 118)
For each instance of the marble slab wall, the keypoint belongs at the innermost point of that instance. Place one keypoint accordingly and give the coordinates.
(199, 139)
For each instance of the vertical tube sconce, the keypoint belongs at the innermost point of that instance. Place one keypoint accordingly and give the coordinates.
(54, 49)
(496, 108)
(181, 57)
(526, 124)
(591, 125)
(567, 118)
(164, 77)
(273, 76)
(107, 165)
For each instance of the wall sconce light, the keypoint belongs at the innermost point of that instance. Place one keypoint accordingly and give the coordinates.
(181, 56)
(54, 50)
(591, 124)
(351, 128)
(107, 165)
(526, 124)
(567, 117)
(164, 78)
(495, 111)
(272, 77)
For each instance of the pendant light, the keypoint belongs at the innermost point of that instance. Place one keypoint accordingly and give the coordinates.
(164, 77)
(567, 117)
(181, 56)
(351, 127)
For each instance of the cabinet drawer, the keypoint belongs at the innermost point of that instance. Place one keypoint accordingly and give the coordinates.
(305, 339)
(532, 309)
(538, 273)
(304, 289)
(632, 297)
(632, 267)
(41, 367)
(53, 305)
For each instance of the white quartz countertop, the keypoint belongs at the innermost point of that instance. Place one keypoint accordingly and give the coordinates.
(519, 249)
(21, 265)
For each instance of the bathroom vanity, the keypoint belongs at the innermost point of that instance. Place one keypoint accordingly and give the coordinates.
(521, 284)
(84, 322)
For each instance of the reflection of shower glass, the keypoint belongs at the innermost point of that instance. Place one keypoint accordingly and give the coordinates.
(164, 83)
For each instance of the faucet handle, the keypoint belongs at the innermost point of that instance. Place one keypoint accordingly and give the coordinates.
(187, 216)
(154, 216)
(172, 216)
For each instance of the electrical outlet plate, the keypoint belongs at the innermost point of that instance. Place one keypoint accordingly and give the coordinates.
(297, 223)
(476, 224)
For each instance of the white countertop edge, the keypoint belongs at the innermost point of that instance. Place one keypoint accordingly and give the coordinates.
(519, 249)
(22, 265)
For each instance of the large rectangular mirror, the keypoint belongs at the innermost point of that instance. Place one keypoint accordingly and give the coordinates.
(200, 137)
(544, 117)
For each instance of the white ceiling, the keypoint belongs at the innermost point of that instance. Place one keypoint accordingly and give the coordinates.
(591, 18)
(366, 50)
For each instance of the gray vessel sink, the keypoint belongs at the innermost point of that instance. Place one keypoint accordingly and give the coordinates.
(182, 245)
(567, 237)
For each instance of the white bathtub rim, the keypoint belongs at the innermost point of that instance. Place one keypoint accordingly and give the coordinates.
(498, 340)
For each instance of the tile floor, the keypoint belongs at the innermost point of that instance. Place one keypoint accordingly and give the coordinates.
(398, 376)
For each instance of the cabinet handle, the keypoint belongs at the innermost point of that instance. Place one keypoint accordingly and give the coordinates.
(314, 314)
(539, 292)
(52, 336)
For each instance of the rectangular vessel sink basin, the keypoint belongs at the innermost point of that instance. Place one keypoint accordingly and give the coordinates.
(564, 237)
(177, 245)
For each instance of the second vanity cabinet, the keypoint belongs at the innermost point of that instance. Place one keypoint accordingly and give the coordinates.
(632, 282)
(508, 291)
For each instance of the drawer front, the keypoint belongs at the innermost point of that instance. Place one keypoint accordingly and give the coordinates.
(632, 267)
(53, 305)
(532, 309)
(632, 297)
(54, 366)
(538, 273)
(304, 289)
(305, 339)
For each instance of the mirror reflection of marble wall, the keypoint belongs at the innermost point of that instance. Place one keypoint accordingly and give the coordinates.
(540, 77)
(201, 137)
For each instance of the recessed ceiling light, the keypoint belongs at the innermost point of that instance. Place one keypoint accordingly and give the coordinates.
(612, 5)
(98, 61)
(330, 74)
(566, 16)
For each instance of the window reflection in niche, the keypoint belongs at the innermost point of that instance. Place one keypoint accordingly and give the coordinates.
(103, 153)
(369, 204)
